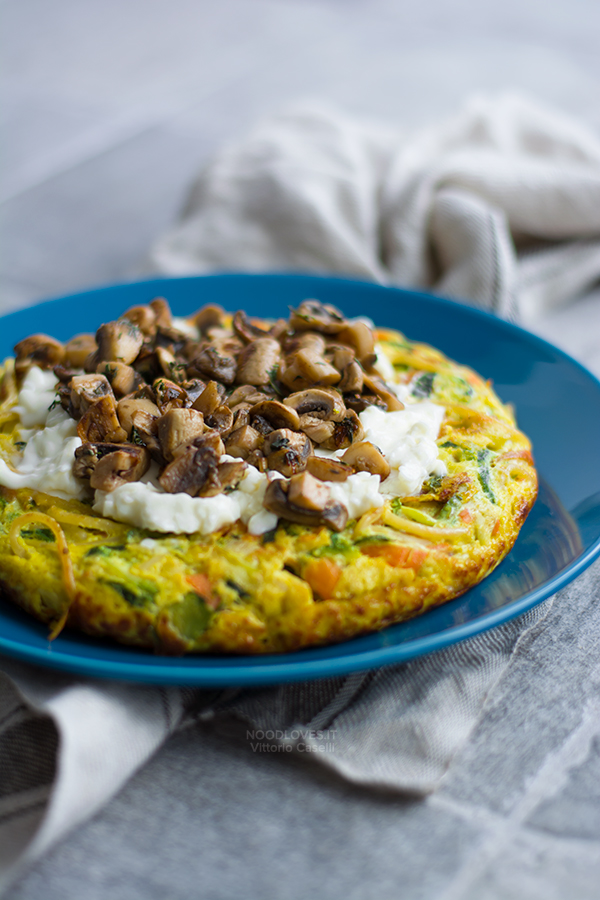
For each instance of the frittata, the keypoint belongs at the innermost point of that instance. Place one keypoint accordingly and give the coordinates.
(333, 534)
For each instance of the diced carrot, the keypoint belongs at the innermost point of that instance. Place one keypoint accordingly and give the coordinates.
(322, 575)
(201, 585)
(401, 555)
(465, 516)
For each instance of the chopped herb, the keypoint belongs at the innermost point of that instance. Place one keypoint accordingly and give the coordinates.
(135, 437)
(338, 543)
(20, 445)
(136, 593)
(269, 536)
(105, 549)
(54, 404)
(484, 474)
(279, 442)
(38, 534)
(423, 385)
(273, 380)
(450, 509)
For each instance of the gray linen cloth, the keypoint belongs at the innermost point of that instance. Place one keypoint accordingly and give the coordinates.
(314, 191)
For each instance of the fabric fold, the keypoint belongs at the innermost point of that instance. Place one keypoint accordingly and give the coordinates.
(454, 208)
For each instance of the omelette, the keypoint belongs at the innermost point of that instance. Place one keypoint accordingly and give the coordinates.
(230, 485)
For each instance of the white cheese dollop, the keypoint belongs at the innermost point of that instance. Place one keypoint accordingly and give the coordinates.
(407, 438)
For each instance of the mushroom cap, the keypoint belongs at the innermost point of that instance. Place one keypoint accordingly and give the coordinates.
(318, 402)
(334, 515)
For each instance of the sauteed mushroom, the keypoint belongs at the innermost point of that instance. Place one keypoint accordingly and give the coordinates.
(334, 515)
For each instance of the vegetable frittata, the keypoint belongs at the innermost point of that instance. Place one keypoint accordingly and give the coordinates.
(263, 478)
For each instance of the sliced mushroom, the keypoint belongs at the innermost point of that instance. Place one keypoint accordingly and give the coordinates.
(85, 391)
(211, 397)
(241, 415)
(100, 422)
(192, 471)
(122, 378)
(221, 420)
(146, 363)
(245, 393)
(120, 341)
(87, 456)
(317, 402)
(177, 428)
(162, 311)
(170, 366)
(257, 459)
(318, 430)
(287, 451)
(230, 474)
(144, 317)
(213, 363)
(308, 492)
(359, 336)
(352, 378)
(277, 414)
(212, 440)
(326, 469)
(123, 466)
(193, 388)
(341, 356)
(380, 388)
(312, 315)
(257, 361)
(129, 406)
(169, 395)
(364, 456)
(144, 433)
(346, 432)
(209, 316)
(244, 328)
(78, 349)
(243, 441)
(64, 374)
(359, 402)
(334, 515)
(315, 368)
(38, 350)
(306, 340)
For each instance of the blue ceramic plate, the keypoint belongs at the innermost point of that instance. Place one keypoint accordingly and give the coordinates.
(558, 406)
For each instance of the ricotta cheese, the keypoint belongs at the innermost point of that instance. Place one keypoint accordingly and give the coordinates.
(407, 438)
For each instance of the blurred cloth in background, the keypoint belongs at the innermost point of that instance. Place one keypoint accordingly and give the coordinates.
(498, 206)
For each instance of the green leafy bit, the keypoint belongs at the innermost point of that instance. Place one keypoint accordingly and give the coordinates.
(423, 385)
(450, 510)
(273, 380)
(38, 534)
(135, 437)
(136, 592)
(20, 445)
(484, 473)
(338, 543)
(417, 515)
(105, 549)
(269, 536)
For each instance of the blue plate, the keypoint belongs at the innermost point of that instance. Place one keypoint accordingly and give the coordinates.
(558, 406)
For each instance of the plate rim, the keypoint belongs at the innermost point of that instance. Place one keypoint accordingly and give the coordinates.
(278, 669)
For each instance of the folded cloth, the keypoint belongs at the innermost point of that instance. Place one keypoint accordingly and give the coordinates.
(314, 191)
(67, 745)
(499, 206)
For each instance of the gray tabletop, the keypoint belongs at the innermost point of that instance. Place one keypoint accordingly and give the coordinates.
(109, 109)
